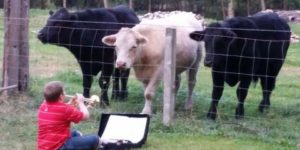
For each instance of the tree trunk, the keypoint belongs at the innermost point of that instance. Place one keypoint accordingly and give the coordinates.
(149, 6)
(230, 9)
(263, 4)
(223, 9)
(105, 2)
(131, 4)
(285, 4)
(248, 8)
(65, 3)
(48, 4)
(43, 4)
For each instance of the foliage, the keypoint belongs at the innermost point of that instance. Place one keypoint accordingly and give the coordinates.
(206, 7)
(276, 129)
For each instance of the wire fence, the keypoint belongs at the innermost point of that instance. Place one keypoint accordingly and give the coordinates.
(51, 61)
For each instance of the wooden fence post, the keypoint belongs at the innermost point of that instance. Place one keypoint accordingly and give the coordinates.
(24, 47)
(169, 77)
(15, 45)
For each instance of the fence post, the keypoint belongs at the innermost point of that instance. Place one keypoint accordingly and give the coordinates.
(169, 76)
(12, 10)
(24, 47)
(15, 55)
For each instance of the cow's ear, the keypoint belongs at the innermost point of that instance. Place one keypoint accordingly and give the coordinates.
(141, 40)
(197, 35)
(229, 33)
(73, 16)
(109, 40)
(51, 12)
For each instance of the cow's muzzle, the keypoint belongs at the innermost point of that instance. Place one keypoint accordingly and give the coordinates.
(208, 62)
(121, 65)
(42, 37)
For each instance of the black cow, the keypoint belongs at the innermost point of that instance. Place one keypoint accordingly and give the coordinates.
(81, 32)
(244, 49)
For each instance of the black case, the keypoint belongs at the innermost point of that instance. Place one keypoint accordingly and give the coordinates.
(127, 144)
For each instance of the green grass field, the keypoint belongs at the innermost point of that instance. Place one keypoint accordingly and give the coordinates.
(277, 129)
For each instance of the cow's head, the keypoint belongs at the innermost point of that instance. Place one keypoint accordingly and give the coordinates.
(127, 44)
(216, 38)
(59, 24)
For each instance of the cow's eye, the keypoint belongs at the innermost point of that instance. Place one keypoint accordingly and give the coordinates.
(57, 24)
(134, 47)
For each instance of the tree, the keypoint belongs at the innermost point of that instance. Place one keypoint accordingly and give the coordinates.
(131, 4)
(149, 6)
(285, 4)
(248, 7)
(263, 4)
(230, 9)
(105, 2)
(223, 9)
(65, 3)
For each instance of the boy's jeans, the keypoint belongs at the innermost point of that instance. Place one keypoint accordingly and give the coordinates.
(78, 142)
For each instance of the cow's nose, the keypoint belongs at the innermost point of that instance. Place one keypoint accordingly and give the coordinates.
(121, 64)
(41, 35)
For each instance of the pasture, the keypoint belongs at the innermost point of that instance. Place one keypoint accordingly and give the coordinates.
(277, 129)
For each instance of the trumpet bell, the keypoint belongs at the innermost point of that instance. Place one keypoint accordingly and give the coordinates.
(95, 98)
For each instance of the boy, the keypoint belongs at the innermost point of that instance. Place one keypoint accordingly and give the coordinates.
(55, 118)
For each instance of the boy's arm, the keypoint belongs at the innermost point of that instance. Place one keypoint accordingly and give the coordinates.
(82, 107)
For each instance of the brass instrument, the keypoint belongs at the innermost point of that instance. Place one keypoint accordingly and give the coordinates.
(90, 101)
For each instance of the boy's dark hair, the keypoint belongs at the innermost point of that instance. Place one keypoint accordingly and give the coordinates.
(53, 90)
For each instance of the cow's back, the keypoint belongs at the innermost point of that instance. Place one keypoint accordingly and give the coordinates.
(155, 30)
(125, 15)
(90, 27)
(273, 41)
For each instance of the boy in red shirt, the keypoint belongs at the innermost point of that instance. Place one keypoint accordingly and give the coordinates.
(55, 118)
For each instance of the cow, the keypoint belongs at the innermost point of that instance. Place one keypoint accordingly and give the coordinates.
(241, 50)
(142, 47)
(80, 32)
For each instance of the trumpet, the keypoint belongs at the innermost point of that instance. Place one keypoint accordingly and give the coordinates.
(90, 101)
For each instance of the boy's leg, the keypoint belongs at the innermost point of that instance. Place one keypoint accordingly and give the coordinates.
(75, 133)
(88, 142)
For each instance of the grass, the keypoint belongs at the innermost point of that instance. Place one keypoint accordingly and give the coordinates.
(278, 129)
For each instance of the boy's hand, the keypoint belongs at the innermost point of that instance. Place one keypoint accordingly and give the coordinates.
(79, 98)
(73, 102)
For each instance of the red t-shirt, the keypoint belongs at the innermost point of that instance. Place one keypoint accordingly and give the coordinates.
(54, 121)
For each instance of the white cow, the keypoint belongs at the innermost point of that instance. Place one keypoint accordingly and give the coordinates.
(142, 47)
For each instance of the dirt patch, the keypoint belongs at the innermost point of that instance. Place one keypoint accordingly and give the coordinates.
(291, 71)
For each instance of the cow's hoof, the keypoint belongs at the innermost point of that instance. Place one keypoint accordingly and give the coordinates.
(239, 112)
(262, 108)
(123, 96)
(188, 105)
(115, 95)
(104, 104)
(147, 112)
(212, 115)
(239, 116)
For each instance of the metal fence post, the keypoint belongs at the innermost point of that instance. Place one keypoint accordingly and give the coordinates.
(169, 76)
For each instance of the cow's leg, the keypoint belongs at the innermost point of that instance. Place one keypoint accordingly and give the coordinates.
(87, 83)
(218, 87)
(177, 83)
(116, 88)
(192, 75)
(241, 93)
(124, 81)
(104, 82)
(268, 84)
(150, 88)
